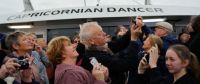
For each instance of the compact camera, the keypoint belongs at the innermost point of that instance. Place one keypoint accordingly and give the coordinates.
(24, 64)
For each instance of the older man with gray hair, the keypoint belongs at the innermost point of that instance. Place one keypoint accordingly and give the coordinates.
(91, 33)
(94, 39)
(163, 29)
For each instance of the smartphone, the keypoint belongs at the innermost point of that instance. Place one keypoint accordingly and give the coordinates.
(133, 20)
(144, 54)
(147, 58)
(94, 61)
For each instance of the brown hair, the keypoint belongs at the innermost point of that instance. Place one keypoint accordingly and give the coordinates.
(118, 28)
(154, 39)
(13, 39)
(195, 23)
(31, 34)
(184, 54)
(55, 48)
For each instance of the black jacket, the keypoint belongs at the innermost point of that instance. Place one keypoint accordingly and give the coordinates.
(194, 44)
(2, 81)
(133, 74)
(157, 78)
(117, 63)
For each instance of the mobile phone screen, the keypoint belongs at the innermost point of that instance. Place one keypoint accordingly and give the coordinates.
(94, 61)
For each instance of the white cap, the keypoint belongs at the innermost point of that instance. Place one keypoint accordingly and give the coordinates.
(166, 26)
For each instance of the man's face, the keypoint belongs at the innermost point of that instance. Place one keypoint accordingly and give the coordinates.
(99, 36)
(160, 31)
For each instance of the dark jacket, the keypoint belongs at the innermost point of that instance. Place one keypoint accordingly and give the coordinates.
(157, 78)
(194, 45)
(2, 81)
(167, 40)
(3, 54)
(81, 50)
(121, 43)
(117, 63)
(133, 74)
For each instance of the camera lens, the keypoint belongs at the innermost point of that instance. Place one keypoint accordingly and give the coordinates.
(23, 63)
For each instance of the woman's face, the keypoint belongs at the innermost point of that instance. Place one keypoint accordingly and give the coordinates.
(147, 44)
(173, 62)
(24, 43)
(33, 40)
(70, 50)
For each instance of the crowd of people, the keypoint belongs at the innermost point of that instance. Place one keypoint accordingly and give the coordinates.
(139, 55)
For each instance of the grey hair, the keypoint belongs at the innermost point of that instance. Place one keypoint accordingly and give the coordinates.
(85, 31)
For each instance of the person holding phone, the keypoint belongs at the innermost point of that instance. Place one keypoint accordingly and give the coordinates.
(144, 54)
(63, 54)
(181, 63)
(40, 58)
(162, 29)
(95, 39)
(145, 65)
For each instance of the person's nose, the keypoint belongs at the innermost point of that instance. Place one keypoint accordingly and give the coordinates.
(104, 34)
(167, 62)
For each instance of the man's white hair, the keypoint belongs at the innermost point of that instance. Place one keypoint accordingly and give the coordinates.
(85, 31)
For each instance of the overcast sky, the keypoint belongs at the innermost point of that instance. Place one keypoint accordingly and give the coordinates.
(15, 6)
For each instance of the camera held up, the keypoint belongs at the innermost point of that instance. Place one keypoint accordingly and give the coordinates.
(23, 62)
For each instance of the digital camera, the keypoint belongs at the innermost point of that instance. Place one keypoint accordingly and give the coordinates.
(23, 63)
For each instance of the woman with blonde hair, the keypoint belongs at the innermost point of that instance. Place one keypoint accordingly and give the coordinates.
(151, 41)
(63, 54)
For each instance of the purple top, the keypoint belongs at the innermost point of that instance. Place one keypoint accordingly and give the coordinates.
(72, 74)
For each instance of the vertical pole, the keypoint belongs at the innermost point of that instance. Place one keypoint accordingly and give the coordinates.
(147, 2)
(85, 2)
(98, 2)
(27, 5)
